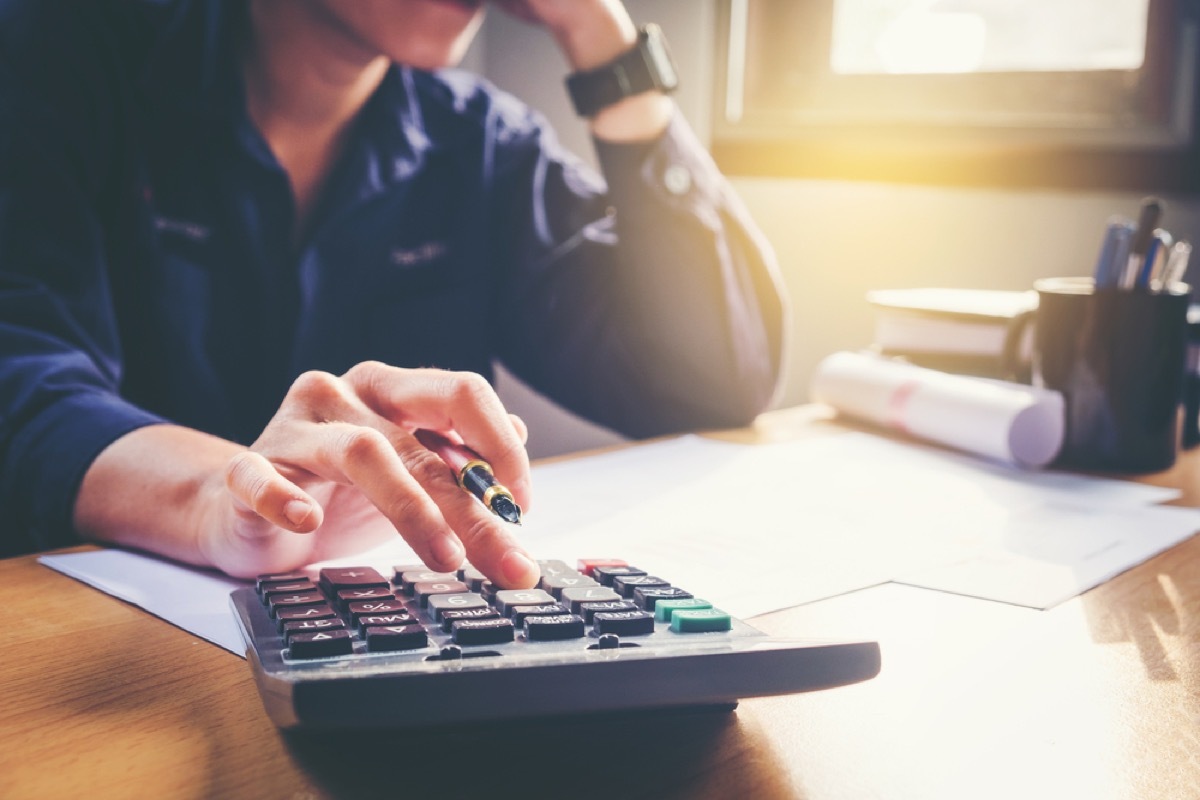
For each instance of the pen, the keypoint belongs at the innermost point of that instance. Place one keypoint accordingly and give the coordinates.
(473, 474)
(1114, 252)
(1147, 221)
(1155, 260)
(1177, 264)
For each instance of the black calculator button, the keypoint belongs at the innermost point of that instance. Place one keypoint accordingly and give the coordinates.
(483, 631)
(472, 577)
(646, 597)
(589, 610)
(347, 596)
(625, 584)
(554, 628)
(263, 581)
(450, 617)
(332, 579)
(320, 644)
(366, 608)
(520, 613)
(298, 626)
(623, 623)
(388, 638)
(269, 590)
(588, 566)
(373, 620)
(606, 575)
(304, 612)
(297, 600)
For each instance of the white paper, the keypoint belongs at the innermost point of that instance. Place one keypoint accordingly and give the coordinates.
(755, 528)
(196, 600)
(1009, 422)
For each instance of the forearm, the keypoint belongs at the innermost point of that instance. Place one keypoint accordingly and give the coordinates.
(148, 490)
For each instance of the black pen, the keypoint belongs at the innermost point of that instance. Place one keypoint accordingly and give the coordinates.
(1151, 213)
(473, 474)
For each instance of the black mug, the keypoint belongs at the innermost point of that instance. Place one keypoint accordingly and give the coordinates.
(1118, 359)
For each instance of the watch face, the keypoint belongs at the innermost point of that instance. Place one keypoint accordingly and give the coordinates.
(663, 64)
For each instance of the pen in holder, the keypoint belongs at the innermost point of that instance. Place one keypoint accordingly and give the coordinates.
(1118, 359)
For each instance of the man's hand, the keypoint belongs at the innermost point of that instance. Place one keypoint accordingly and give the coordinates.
(335, 471)
(592, 33)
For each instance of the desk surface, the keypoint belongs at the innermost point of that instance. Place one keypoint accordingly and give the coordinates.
(1097, 698)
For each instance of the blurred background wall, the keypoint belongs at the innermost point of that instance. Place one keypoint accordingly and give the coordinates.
(835, 240)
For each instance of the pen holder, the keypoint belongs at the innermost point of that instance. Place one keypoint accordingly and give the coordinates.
(1118, 359)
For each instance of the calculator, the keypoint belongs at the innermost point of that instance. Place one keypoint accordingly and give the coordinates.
(356, 648)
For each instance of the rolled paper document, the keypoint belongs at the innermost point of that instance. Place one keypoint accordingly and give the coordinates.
(1010, 422)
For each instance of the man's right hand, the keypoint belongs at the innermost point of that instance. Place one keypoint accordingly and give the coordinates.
(335, 471)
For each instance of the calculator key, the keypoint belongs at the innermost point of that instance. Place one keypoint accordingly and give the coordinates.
(347, 596)
(450, 617)
(549, 568)
(507, 599)
(606, 575)
(588, 565)
(365, 608)
(309, 625)
(700, 620)
(304, 612)
(290, 587)
(424, 590)
(664, 608)
(520, 613)
(389, 638)
(625, 584)
(488, 590)
(589, 610)
(623, 623)
(334, 578)
(646, 597)
(483, 631)
(587, 594)
(384, 620)
(555, 584)
(320, 644)
(411, 577)
(295, 600)
(472, 577)
(278, 577)
(440, 603)
(554, 628)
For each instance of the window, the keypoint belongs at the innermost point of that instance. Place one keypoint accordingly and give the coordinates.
(1068, 93)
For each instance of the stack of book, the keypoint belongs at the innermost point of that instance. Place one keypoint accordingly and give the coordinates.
(966, 331)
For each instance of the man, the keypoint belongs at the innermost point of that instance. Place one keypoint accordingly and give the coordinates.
(247, 249)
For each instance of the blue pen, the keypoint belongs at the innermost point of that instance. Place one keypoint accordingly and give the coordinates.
(1114, 252)
(1156, 254)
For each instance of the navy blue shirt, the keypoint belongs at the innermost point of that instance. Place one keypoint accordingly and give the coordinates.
(151, 270)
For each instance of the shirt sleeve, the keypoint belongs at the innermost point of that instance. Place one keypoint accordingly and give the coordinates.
(59, 354)
(646, 300)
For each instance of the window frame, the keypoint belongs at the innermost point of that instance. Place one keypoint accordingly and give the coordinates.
(1154, 147)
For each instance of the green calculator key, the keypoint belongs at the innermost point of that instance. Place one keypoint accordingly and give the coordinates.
(700, 619)
(664, 608)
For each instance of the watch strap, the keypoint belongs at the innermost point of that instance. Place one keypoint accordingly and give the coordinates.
(646, 67)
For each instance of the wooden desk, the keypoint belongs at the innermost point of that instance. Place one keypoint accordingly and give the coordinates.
(1097, 698)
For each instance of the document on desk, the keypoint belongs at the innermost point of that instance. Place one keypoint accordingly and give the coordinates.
(758, 528)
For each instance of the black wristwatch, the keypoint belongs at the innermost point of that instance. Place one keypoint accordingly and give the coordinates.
(647, 67)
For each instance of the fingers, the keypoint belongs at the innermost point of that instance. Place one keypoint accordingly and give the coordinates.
(257, 485)
(450, 401)
(356, 432)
